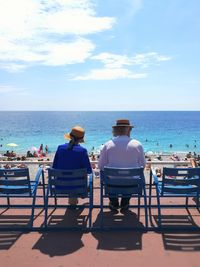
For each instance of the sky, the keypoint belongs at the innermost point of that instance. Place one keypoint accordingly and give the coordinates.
(99, 55)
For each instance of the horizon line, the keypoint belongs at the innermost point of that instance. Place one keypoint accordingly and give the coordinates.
(181, 110)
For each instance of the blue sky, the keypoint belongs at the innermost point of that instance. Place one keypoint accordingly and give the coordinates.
(99, 55)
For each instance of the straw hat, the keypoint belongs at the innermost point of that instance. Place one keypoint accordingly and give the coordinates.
(122, 123)
(76, 132)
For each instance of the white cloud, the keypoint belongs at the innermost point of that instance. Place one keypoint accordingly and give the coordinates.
(120, 66)
(48, 53)
(113, 60)
(7, 90)
(144, 60)
(33, 31)
(111, 74)
(70, 53)
(13, 67)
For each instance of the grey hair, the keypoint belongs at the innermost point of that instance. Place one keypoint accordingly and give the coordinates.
(120, 130)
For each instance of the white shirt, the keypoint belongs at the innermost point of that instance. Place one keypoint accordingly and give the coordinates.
(122, 152)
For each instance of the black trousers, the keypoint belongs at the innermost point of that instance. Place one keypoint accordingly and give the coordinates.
(115, 201)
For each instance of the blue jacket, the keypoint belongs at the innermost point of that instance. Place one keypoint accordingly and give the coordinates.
(76, 158)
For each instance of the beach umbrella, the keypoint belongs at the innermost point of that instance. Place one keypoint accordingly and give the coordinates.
(33, 149)
(12, 145)
(149, 153)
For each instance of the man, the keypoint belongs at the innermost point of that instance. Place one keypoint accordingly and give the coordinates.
(121, 152)
(72, 155)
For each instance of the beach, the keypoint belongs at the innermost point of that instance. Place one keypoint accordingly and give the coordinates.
(156, 160)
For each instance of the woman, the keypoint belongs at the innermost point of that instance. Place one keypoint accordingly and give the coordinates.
(72, 155)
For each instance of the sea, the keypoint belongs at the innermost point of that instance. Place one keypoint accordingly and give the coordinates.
(158, 131)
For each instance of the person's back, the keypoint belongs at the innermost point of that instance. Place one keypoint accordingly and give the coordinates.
(121, 152)
(71, 156)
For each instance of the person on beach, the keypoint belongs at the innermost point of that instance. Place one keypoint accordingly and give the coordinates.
(40, 149)
(72, 155)
(46, 149)
(121, 152)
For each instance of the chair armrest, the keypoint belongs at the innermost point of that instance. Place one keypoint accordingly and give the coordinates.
(90, 178)
(155, 177)
(101, 176)
(38, 175)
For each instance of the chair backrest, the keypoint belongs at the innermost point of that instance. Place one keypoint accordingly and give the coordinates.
(71, 183)
(180, 180)
(123, 181)
(15, 181)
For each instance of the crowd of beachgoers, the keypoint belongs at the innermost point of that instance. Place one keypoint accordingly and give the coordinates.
(42, 154)
(45, 158)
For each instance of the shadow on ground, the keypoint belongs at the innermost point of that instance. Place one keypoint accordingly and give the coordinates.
(116, 239)
(177, 221)
(7, 239)
(181, 241)
(7, 220)
(66, 242)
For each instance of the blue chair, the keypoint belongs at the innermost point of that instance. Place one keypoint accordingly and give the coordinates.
(176, 182)
(16, 183)
(69, 184)
(123, 182)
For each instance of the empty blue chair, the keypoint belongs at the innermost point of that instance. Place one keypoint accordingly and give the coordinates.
(176, 182)
(69, 184)
(16, 183)
(123, 182)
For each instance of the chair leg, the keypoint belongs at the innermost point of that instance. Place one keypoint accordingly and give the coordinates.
(101, 208)
(159, 211)
(46, 212)
(32, 212)
(150, 189)
(149, 201)
(55, 201)
(186, 201)
(46, 208)
(146, 208)
(8, 202)
(197, 202)
(90, 217)
(43, 187)
(138, 207)
(90, 210)
(150, 195)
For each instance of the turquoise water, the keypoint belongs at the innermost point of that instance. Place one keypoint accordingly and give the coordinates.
(156, 130)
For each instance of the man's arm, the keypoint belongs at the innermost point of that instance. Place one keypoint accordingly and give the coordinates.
(103, 159)
(142, 160)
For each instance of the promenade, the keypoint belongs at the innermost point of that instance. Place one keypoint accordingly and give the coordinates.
(100, 248)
